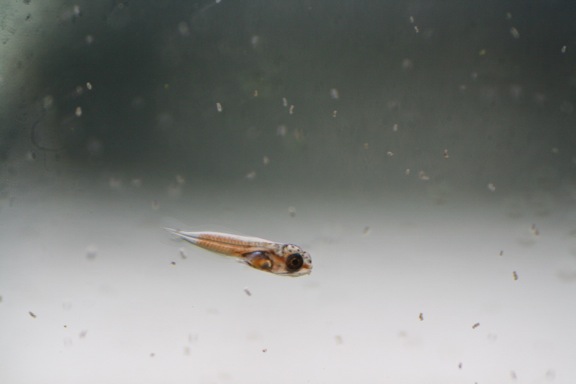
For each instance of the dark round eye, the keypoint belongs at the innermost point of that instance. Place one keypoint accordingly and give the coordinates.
(294, 262)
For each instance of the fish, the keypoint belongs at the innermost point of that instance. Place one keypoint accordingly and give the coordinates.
(264, 255)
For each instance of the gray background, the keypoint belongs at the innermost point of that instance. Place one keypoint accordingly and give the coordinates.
(424, 153)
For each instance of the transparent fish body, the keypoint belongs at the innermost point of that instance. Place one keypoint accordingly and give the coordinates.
(264, 255)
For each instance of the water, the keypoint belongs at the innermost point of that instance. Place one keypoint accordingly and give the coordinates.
(423, 155)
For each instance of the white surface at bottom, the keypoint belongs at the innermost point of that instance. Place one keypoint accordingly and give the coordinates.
(114, 301)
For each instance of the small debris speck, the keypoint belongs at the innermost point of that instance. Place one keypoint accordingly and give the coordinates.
(514, 32)
(515, 275)
(423, 176)
(83, 334)
(501, 253)
(421, 316)
(32, 314)
(475, 325)
(366, 231)
(173, 263)
(535, 231)
(459, 365)
(152, 354)
(265, 350)
(491, 187)
(445, 154)
(513, 375)
(292, 211)
(182, 253)
(219, 107)
(338, 339)
(291, 110)
(247, 292)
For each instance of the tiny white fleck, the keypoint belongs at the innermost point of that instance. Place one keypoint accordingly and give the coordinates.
(491, 187)
(291, 111)
(563, 50)
(219, 107)
(334, 94)
(514, 32)
(78, 111)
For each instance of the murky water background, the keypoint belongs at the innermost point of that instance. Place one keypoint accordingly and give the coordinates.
(422, 152)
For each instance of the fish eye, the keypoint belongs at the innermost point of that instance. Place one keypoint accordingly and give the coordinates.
(294, 262)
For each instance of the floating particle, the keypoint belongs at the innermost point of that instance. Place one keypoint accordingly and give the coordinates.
(183, 28)
(508, 16)
(31, 156)
(187, 351)
(247, 292)
(334, 94)
(395, 128)
(407, 64)
(555, 150)
(255, 40)
(423, 176)
(89, 86)
(338, 339)
(79, 90)
(78, 111)
(265, 160)
(47, 101)
(89, 39)
(180, 180)
(550, 374)
(366, 145)
(219, 107)
(182, 253)
(264, 350)
(83, 334)
(255, 94)
(515, 275)
(32, 314)
(514, 32)
(292, 211)
(476, 325)
(251, 175)
(563, 50)
(482, 52)
(390, 153)
(91, 252)
(334, 113)
(136, 183)
(459, 365)
(152, 354)
(281, 130)
(411, 18)
(0, 298)
(445, 154)
(501, 253)
(173, 262)
(291, 110)
(284, 102)
(366, 231)
(407, 171)
(513, 375)
(115, 183)
(491, 187)
(535, 231)
(155, 204)
(421, 316)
